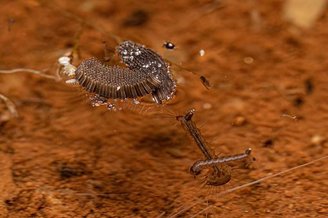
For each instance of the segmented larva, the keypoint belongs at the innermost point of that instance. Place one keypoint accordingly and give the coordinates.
(139, 58)
(146, 73)
(113, 81)
(199, 165)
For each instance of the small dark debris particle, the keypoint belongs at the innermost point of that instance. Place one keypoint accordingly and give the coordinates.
(205, 82)
(309, 86)
(67, 172)
(298, 101)
(7, 149)
(268, 143)
(211, 201)
(240, 121)
(69, 44)
(11, 21)
(136, 18)
(293, 42)
(168, 45)
(135, 210)
(9, 202)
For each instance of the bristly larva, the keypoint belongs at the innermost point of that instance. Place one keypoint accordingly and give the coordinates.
(147, 73)
(113, 81)
(199, 165)
(139, 58)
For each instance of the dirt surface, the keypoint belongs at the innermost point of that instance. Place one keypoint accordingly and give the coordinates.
(62, 157)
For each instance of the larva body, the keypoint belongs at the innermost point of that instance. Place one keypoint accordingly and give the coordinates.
(113, 81)
(146, 73)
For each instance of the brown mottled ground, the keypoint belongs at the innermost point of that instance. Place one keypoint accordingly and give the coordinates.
(63, 158)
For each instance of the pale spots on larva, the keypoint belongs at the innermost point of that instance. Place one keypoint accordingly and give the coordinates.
(139, 58)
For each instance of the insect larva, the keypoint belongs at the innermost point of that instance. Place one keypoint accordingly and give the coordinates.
(218, 175)
(199, 165)
(139, 58)
(113, 81)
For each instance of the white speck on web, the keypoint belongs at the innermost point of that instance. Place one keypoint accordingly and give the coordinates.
(202, 52)
(64, 60)
(135, 101)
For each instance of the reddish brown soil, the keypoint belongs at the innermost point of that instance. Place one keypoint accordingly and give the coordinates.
(63, 158)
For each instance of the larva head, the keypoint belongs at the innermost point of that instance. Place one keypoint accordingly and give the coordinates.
(138, 57)
(195, 169)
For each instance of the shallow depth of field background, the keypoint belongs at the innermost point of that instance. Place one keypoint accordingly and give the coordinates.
(267, 64)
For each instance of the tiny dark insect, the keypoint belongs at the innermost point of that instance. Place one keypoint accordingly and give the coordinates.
(309, 86)
(168, 45)
(205, 82)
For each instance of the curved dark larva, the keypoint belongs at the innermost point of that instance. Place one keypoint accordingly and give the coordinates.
(114, 82)
(139, 58)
